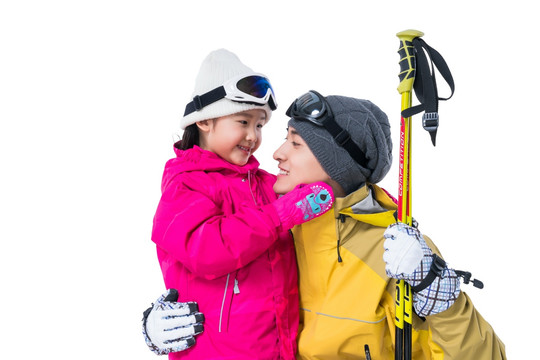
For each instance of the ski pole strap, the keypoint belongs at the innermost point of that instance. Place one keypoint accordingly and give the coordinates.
(437, 267)
(425, 85)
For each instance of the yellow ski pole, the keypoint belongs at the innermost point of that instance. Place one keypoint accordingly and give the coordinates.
(403, 340)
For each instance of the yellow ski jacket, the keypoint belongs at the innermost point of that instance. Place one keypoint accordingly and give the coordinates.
(346, 305)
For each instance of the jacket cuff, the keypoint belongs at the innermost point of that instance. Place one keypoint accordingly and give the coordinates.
(454, 311)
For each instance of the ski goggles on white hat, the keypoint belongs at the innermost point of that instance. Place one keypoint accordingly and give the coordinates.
(252, 89)
(314, 108)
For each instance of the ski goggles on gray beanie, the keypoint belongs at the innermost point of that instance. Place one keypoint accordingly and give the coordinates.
(349, 137)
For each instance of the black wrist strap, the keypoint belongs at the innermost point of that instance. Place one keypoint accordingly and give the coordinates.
(467, 278)
(437, 267)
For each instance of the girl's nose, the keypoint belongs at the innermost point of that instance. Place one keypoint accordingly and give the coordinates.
(251, 135)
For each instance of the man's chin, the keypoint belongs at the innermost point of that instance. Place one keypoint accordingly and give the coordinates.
(280, 189)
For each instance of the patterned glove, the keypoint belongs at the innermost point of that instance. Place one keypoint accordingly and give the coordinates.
(408, 257)
(170, 326)
(304, 203)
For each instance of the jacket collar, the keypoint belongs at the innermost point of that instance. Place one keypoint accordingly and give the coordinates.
(200, 159)
(369, 204)
(197, 159)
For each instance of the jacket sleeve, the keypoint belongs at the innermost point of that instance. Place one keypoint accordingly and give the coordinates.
(193, 229)
(460, 332)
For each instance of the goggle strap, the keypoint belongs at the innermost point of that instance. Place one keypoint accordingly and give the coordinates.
(200, 101)
(344, 140)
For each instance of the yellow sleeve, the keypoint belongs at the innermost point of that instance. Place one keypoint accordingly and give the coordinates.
(462, 333)
(459, 332)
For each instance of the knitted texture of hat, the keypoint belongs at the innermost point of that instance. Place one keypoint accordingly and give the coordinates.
(368, 127)
(218, 67)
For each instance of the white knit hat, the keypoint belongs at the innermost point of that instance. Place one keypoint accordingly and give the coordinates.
(218, 67)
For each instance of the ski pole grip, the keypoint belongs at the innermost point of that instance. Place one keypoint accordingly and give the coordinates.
(407, 61)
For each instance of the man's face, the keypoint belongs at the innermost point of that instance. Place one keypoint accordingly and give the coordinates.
(297, 164)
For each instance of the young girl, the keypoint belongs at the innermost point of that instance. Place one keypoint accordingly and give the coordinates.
(221, 232)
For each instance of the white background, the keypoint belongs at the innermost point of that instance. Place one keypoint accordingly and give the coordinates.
(91, 93)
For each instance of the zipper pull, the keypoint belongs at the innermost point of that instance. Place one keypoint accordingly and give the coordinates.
(236, 288)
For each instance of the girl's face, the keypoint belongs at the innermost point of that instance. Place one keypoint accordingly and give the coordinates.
(233, 137)
(297, 164)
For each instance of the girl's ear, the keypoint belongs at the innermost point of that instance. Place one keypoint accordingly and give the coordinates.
(203, 125)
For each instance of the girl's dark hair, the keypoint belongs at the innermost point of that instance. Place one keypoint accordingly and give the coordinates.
(189, 138)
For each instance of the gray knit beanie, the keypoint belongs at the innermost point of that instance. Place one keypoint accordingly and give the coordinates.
(369, 129)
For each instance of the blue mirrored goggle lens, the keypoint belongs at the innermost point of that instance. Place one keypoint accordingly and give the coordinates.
(256, 86)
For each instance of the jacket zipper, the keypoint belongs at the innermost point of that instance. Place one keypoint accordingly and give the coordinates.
(341, 220)
(223, 302)
(250, 190)
(236, 289)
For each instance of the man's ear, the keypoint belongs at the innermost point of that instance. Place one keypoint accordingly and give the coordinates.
(203, 125)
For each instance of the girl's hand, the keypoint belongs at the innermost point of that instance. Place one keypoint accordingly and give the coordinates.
(304, 203)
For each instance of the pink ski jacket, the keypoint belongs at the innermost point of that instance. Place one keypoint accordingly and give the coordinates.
(219, 242)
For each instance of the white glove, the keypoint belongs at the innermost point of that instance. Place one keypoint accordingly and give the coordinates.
(405, 248)
(409, 258)
(170, 326)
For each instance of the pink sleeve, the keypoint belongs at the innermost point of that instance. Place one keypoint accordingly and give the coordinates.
(193, 230)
